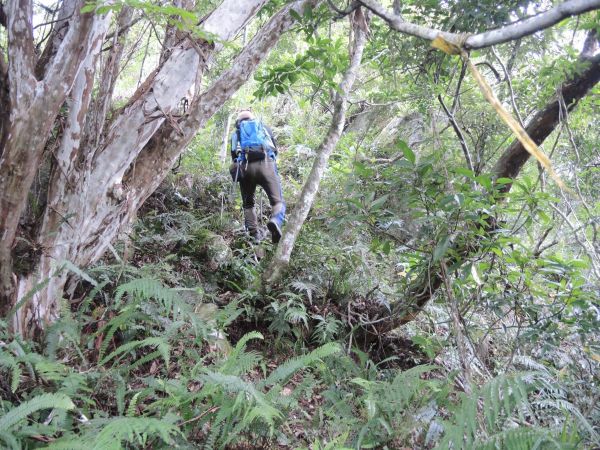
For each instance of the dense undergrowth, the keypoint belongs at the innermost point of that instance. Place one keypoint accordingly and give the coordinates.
(174, 344)
(174, 341)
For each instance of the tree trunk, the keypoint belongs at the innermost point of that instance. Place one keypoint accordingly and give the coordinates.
(162, 151)
(103, 186)
(96, 117)
(34, 106)
(309, 191)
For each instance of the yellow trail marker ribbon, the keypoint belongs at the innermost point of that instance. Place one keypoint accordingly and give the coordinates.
(531, 147)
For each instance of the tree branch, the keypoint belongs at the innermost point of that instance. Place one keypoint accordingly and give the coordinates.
(21, 51)
(509, 165)
(161, 153)
(457, 130)
(544, 122)
(488, 38)
(309, 191)
(344, 12)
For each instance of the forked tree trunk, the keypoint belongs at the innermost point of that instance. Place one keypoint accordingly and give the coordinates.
(101, 187)
(87, 180)
(311, 186)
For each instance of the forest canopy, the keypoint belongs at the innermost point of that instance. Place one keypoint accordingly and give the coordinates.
(437, 281)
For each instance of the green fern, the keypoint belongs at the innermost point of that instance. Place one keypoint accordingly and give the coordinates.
(109, 434)
(291, 366)
(44, 401)
(232, 365)
(10, 440)
(503, 397)
(235, 385)
(10, 362)
(145, 289)
(162, 346)
(522, 439)
(133, 405)
(125, 318)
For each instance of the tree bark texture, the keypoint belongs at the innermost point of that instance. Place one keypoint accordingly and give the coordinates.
(102, 179)
(311, 186)
(509, 164)
(544, 122)
(163, 150)
(33, 108)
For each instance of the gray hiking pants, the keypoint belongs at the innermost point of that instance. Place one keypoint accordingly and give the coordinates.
(261, 173)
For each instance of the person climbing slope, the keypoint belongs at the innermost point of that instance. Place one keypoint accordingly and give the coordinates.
(254, 153)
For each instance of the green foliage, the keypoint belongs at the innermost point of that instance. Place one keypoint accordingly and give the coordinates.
(141, 355)
(324, 59)
(113, 433)
(505, 403)
(44, 401)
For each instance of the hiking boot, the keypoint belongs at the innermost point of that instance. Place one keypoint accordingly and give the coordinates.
(275, 231)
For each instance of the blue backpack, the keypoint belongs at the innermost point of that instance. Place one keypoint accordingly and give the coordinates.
(254, 139)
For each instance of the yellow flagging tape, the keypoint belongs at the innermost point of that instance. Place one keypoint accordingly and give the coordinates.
(452, 49)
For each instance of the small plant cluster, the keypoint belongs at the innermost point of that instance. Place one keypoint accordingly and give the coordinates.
(144, 365)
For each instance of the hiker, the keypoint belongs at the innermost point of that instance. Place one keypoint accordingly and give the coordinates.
(254, 150)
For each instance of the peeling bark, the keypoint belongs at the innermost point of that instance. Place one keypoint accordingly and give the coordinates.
(309, 191)
(57, 35)
(87, 201)
(96, 120)
(34, 106)
(4, 103)
(161, 153)
(63, 176)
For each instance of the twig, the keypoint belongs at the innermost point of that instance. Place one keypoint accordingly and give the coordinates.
(458, 132)
(510, 87)
(200, 416)
(455, 314)
(344, 12)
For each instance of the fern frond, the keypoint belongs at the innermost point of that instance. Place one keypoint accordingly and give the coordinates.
(306, 287)
(502, 396)
(244, 340)
(11, 363)
(134, 430)
(145, 289)
(564, 405)
(69, 444)
(243, 363)
(10, 440)
(132, 405)
(127, 317)
(287, 369)
(162, 346)
(236, 385)
(44, 401)
(522, 439)
(529, 363)
(232, 360)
